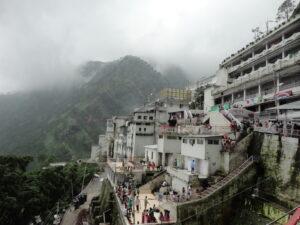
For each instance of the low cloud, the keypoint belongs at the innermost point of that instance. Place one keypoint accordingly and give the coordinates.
(42, 42)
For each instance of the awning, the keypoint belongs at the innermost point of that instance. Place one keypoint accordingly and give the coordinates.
(290, 106)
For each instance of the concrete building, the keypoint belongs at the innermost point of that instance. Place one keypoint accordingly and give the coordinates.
(265, 73)
(204, 151)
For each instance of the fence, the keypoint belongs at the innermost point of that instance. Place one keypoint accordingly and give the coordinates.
(280, 131)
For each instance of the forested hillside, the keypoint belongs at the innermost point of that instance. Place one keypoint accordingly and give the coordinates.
(65, 123)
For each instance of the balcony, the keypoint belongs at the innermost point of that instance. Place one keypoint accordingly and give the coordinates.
(268, 91)
(290, 60)
(251, 95)
(238, 99)
(273, 48)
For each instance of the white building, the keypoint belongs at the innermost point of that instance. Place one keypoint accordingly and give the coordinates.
(205, 151)
(265, 73)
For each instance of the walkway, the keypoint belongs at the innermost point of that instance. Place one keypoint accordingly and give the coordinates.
(92, 190)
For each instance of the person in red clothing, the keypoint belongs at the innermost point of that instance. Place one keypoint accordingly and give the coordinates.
(153, 165)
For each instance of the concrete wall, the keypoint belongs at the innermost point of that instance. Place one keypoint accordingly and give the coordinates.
(167, 144)
(139, 145)
(144, 129)
(144, 117)
(216, 119)
(208, 99)
(95, 152)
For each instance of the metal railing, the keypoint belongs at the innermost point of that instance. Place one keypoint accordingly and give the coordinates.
(202, 129)
(281, 131)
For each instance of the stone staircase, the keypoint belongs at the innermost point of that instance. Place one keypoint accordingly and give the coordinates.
(212, 189)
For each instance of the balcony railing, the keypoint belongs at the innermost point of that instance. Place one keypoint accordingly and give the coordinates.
(251, 95)
(204, 130)
(263, 71)
(266, 51)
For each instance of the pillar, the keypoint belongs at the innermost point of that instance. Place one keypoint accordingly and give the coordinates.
(163, 161)
(245, 92)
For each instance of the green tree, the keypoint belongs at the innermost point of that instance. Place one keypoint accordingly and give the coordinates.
(198, 102)
(285, 10)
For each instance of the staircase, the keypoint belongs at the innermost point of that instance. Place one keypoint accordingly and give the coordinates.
(235, 173)
(230, 117)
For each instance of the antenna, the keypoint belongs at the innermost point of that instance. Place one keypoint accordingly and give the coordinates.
(256, 32)
(267, 24)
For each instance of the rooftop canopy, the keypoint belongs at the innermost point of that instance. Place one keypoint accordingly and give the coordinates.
(290, 106)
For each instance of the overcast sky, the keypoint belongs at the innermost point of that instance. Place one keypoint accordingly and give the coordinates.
(42, 41)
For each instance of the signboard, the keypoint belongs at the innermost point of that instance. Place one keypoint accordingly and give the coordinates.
(248, 102)
(284, 94)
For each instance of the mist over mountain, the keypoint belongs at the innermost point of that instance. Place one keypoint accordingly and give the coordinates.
(64, 122)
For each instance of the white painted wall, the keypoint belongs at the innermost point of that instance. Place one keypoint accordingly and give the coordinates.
(221, 77)
(139, 143)
(195, 151)
(207, 156)
(169, 145)
(208, 99)
(144, 117)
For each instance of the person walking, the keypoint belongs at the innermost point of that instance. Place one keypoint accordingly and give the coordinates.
(146, 202)
(137, 204)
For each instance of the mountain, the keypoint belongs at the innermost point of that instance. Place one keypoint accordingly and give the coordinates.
(65, 122)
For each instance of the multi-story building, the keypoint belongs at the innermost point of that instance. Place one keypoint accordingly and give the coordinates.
(266, 72)
(141, 132)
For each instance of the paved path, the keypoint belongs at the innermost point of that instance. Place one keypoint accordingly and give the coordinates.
(92, 190)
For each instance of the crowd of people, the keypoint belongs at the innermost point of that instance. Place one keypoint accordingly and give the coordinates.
(132, 203)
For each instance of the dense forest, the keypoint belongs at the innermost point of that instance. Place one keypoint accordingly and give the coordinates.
(25, 194)
(62, 124)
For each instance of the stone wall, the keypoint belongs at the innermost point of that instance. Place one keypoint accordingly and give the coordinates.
(279, 165)
(215, 209)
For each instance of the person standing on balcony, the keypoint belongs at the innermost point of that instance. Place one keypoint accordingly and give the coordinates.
(193, 167)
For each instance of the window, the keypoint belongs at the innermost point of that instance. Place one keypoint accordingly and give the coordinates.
(138, 124)
(151, 155)
(147, 124)
(150, 117)
(192, 141)
(200, 141)
(184, 140)
(179, 138)
(145, 117)
(216, 142)
(160, 136)
(140, 129)
(139, 117)
(213, 142)
(145, 129)
(172, 137)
